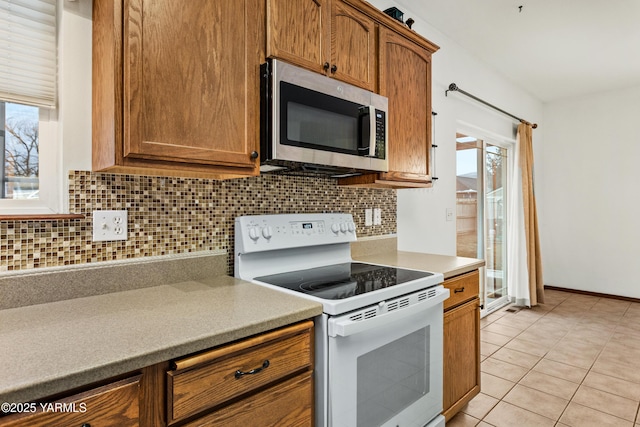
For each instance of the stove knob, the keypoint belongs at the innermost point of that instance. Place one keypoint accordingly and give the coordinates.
(253, 233)
(267, 232)
(335, 228)
(352, 227)
(343, 227)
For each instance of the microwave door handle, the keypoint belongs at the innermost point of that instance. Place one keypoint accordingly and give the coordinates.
(372, 131)
(366, 145)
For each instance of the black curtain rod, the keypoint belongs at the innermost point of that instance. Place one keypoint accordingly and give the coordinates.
(454, 88)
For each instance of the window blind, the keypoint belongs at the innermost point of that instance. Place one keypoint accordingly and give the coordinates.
(28, 52)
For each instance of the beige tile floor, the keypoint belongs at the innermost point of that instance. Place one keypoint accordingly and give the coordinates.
(573, 361)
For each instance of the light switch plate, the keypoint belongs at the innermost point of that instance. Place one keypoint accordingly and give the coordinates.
(377, 216)
(109, 225)
(449, 214)
(368, 217)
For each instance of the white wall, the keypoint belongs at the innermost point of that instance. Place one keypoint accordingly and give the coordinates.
(75, 86)
(422, 225)
(590, 227)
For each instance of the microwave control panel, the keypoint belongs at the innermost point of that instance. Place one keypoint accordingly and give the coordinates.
(381, 137)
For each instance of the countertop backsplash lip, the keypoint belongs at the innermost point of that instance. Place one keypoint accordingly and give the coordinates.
(31, 287)
(109, 263)
(371, 245)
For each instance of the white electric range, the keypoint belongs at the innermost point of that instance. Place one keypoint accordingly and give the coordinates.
(379, 341)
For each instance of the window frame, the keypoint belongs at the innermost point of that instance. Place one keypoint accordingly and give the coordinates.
(51, 180)
(49, 177)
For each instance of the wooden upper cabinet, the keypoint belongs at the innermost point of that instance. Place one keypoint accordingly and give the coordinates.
(354, 42)
(298, 32)
(405, 78)
(353, 46)
(185, 78)
(325, 36)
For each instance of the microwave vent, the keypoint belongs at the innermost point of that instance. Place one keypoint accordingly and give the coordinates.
(307, 169)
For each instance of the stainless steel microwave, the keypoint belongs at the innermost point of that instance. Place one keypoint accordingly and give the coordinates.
(315, 124)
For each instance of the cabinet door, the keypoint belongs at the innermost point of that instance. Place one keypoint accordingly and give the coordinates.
(353, 46)
(461, 356)
(405, 78)
(112, 405)
(191, 82)
(298, 31)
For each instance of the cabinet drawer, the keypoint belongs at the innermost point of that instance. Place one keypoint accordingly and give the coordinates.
(209, 379)
(462, 288)
(112, 405)
(286, 404)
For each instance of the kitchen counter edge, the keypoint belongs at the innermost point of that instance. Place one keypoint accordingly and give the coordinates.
(58, 346)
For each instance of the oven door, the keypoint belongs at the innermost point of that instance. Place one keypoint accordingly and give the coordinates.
(385, 366)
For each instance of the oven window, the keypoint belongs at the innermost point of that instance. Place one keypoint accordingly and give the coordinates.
(392, 377)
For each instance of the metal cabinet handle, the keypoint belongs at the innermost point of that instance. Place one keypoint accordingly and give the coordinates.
(254, 154)
(334, 68)
(325, 66)
(240, 373)
(458, 290)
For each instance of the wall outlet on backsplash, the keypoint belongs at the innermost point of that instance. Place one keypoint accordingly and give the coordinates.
(109, 225)
(368, 217)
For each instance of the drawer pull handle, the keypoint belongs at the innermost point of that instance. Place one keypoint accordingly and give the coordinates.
(240, 374)
(457, 290)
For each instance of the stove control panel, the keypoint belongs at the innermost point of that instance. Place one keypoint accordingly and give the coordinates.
(257, 233)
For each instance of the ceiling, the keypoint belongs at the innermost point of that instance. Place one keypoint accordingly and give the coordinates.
(551, 48)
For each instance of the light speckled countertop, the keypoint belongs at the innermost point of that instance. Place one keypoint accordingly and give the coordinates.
(52, 347)
(449, 266)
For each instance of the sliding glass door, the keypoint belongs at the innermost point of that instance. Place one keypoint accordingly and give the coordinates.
(481, 224)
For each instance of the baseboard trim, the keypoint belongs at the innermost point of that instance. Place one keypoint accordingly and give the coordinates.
(593, 294)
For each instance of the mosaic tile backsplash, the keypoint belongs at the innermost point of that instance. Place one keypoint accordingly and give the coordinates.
(177, 215)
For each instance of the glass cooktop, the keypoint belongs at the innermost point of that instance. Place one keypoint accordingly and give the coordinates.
(341, 281)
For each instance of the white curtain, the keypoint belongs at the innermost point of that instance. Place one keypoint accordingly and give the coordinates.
(517, 273)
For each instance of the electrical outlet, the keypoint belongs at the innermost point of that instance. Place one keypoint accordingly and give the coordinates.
(109, 225)
(377, 216)
(368, 217)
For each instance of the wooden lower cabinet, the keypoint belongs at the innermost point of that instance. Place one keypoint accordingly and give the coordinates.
(252, 370)
(112, 405)
(461, 346)
(265, 380)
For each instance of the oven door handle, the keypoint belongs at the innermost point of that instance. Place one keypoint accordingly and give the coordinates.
(344, 326)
